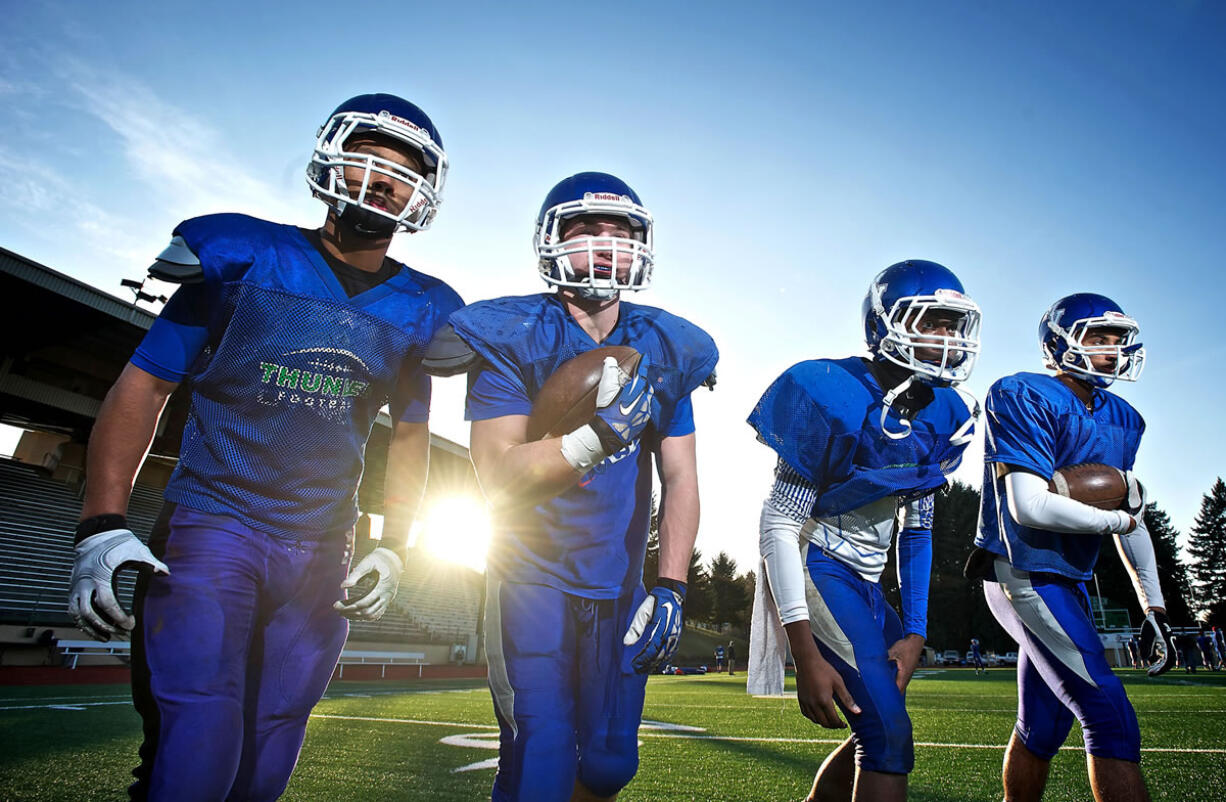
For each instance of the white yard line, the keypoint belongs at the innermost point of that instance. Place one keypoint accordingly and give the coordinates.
(648, 733)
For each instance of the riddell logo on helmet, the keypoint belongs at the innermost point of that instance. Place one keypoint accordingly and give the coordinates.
(606, 196)
(943, 293)
(387, 115)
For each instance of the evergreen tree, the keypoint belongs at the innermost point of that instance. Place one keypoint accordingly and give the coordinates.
(749, 584)
(651, 561)
(698, 596)
(1172, 572)
(1208, 549)
(728, 592)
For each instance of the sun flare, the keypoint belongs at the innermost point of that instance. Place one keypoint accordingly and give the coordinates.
(456, 529)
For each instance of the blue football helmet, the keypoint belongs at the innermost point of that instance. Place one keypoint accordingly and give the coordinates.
(396, 119)
(898, 300)
(631, 257)
(1063, 330)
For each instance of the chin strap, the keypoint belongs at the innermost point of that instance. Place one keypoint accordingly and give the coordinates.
(890, 398)
(365, 223)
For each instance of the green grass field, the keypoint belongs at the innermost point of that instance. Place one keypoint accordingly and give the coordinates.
(711, 741)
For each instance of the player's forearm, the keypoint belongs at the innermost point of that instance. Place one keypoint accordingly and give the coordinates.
(1031, 504)
(408, 462)
(914, 578)
(779, 544)
(679, 513)
(1137, 552)
(525, 475)
(679, 505)
(800, 639)
(120, 440)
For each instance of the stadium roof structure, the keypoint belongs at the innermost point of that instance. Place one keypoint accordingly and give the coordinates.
(64, 342)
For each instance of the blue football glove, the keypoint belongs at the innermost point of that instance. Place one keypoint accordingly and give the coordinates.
(1157, 643)
(623, 406)
(656, 627)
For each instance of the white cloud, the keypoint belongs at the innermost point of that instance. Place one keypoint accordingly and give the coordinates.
(177, 154)
(42, 200)
(98, 198)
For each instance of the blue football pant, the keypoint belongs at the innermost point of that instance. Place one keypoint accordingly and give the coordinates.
(854, 627)
(567, 699)
(230, 654)
(1062, 669)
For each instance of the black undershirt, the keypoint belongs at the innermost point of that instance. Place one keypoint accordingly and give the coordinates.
(353, 281)
(889, 376)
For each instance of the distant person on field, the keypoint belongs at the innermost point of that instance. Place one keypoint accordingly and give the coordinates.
(1134, 652)
(977, 658)
(1205, 646)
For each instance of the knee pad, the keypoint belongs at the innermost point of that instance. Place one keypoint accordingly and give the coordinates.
(604, 772)
(885, 744)
(1109, 725)
(1045, 739)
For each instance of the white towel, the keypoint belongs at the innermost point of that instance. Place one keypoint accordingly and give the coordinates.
(767, 641)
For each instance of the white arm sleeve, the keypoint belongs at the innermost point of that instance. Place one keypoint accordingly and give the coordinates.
(1137, 551)
(779, 540)
(1032, 504)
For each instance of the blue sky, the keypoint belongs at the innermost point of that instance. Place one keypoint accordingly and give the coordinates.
(788, 153)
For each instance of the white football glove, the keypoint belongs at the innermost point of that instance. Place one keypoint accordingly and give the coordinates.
(386, 566)
(1134, 502)
(91, 598)
(1158, 643)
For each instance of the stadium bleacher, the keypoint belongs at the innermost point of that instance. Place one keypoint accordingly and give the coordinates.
(37, 519)
(437, 604)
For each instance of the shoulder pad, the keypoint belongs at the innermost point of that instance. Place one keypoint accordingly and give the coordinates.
(448, 355)
(177, 264)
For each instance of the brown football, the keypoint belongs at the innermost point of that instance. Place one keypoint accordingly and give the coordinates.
(1092, 483)
(568, 398)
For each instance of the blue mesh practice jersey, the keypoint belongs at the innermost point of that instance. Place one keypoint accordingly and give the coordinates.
(590, 540)
(287, 374)
(822, 417)
(1036, 423)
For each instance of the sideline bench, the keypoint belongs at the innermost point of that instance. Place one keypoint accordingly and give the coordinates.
(75, 649)
(381, 659)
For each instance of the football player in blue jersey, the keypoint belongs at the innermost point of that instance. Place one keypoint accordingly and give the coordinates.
(291, 341)
(570, 632)
(977, 658)
(862, 445)
(1036, 549)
